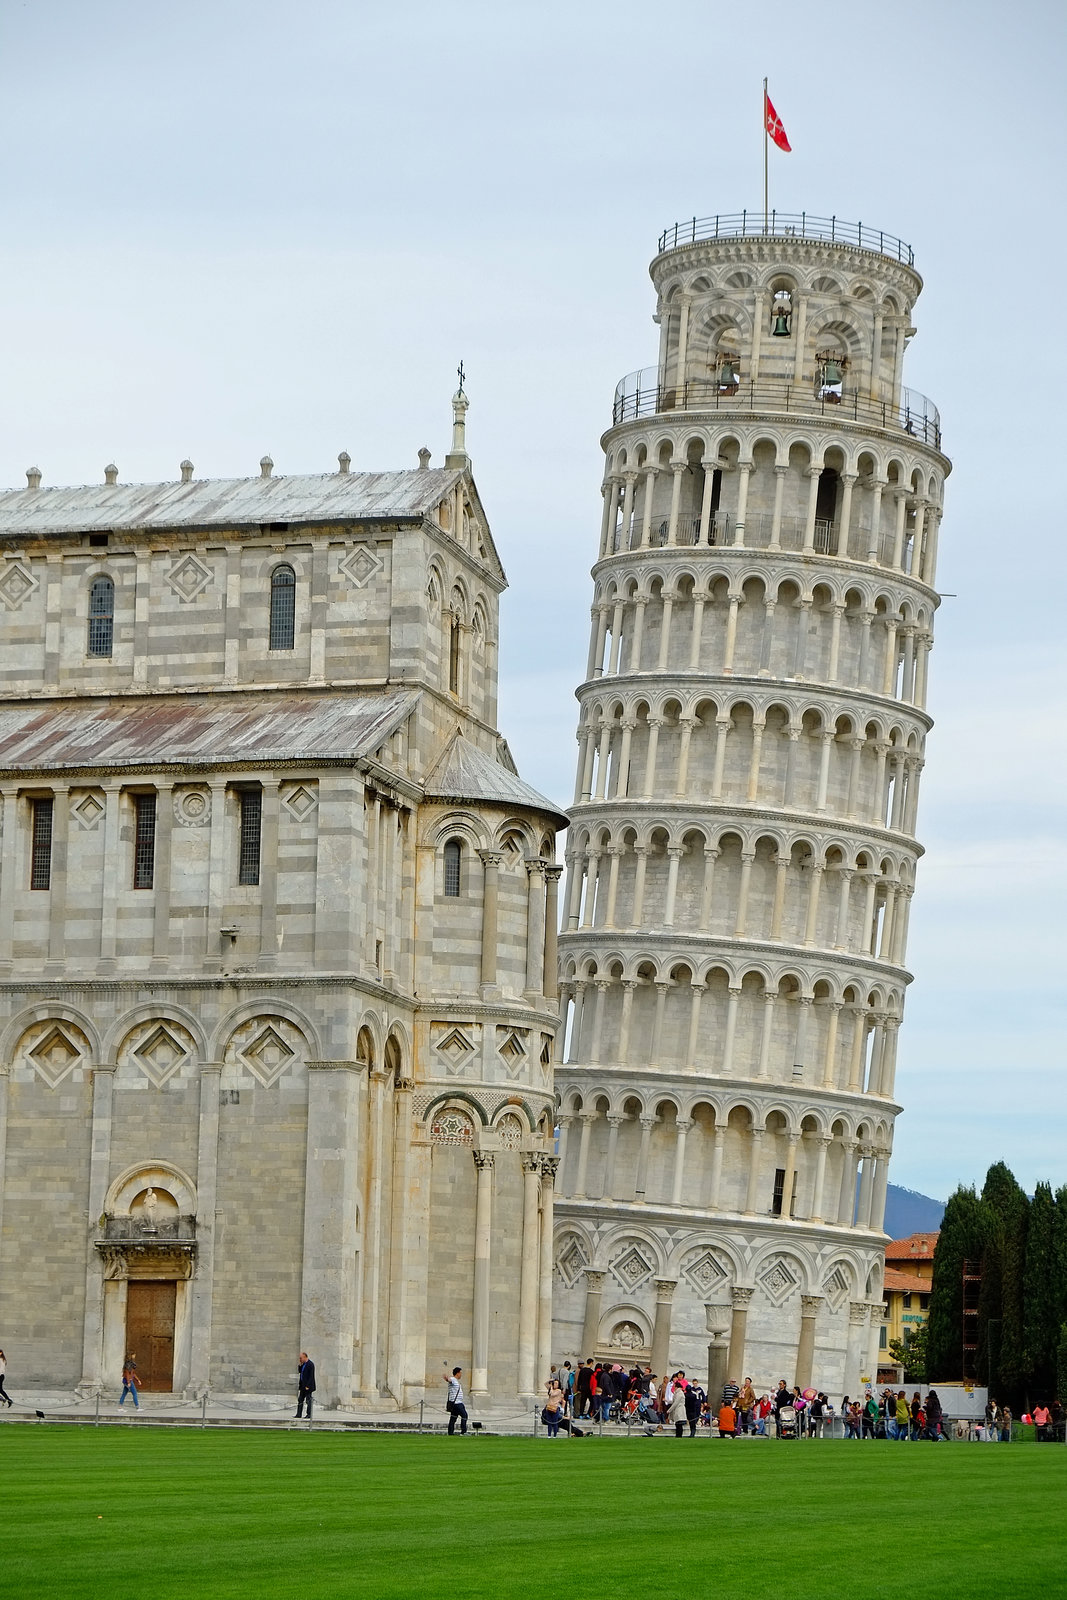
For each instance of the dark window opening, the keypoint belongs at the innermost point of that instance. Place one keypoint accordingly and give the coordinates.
(713, 510)
(453, 856)
(453, 657)
(41, 844)
(282, 609)
(101, 617)
(251, 801)
(779, 1192)
(144, 843)
(98, 541)
(826, 511)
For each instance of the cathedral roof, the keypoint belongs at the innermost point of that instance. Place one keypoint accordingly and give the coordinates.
(200, 730)
(463, 772)
(225, 502)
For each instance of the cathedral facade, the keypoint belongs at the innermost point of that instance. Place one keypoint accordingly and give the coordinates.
(742, 853)
(277, 942)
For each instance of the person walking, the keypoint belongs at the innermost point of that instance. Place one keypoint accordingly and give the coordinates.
(676, 1407)
(305, 1391)
(454, 1404)
(3, 1373)
(130, 1381)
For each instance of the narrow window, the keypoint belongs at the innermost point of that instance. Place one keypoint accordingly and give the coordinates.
(251, 834)
(144, 840)
(883, 1337)
(101, 617)
(41, 845)
(282, 610)
(779, 1192)
(452, 861)
(453, 658)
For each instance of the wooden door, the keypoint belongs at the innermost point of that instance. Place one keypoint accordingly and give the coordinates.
(150, 1332)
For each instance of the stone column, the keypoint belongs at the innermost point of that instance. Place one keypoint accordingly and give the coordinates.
(715, 1180)
(615, 855)
(665, 633)
(491, 860)
(848, 481)
(829, 1068)
(846, 1201)
(330, 1197)
(594, 1288)
(824, 1141)
(722, 728)
(580, 987)
(790, 1174)
(528, 1292)
(710, 858)
(640, 605)
(874, 538)
(5, 1081)
(614, 1124)
(405, 1240)
(161, 875)
(372, 1237)
(856, 1346)
(744, 469)
(551, 985)
(483, 1234)
(693, 1043)
(682, 1127)
(661, 1331)
(587, 1119)
(628, 988)
(621, 784)
(549, 1165)
(731, 633)
(637, 912)
(735, 1359)
(731, 1031)
(780, 475)
(677, 468)
(752, 1195)
(535, 929)
(809, 1311)
(602, 987)
(674, 854)
(814, 474)
(207, 1175)
(718, 1320)
(752, 793)
(103, 1079)
(641, 1181)
(881, 1183)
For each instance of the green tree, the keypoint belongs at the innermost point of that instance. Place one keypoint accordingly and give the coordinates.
(1001, 1340)
(1042, 1313)
(960, 1240)
(1061, 1363)
(911, 1352)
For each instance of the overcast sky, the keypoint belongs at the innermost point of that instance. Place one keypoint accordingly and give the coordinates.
(233, 228)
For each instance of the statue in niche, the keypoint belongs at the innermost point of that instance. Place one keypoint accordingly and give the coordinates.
(149, 1211)
(627, 1337)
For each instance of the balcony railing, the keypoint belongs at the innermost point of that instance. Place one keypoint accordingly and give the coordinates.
(646, 394)
(786, 225)
(758, 534)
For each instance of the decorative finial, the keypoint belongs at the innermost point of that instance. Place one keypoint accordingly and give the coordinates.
(111, 473)
(457, 457)
(33, 477)
(344, 461)
(424, 459)
(187, 471)
(266, 466)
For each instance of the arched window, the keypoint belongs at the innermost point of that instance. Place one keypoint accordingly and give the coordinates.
(101, 616)
(282, 608)
(453, 656)
(453, 854)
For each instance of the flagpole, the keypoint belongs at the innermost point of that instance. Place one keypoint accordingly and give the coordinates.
(765, 163)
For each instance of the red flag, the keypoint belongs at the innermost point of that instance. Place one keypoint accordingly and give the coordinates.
(774, 124)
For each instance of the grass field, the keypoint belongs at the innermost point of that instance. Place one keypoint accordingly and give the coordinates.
(137, 1513)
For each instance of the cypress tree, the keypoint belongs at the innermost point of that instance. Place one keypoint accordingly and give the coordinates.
(1041, 1313)
(960, 1240)
(1001, 1345)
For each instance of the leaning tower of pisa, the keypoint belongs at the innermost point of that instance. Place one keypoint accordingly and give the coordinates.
(742, 852)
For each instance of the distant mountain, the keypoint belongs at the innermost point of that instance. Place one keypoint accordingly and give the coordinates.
(907, 1211)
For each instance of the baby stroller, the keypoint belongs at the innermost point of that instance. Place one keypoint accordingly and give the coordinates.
(787, 1423)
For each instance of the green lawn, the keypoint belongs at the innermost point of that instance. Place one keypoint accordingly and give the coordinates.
(138, 1513)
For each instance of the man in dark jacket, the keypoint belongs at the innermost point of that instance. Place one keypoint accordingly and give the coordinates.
(582, 1386)
(305, 1384)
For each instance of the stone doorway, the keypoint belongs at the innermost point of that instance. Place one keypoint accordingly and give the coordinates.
(150, 1307)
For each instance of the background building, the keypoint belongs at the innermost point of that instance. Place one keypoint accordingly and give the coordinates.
(742, 852)
(277, 941)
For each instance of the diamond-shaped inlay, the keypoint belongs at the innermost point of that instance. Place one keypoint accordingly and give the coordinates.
(836, 1287)
(161, 1054)
(456, 1048)
(189, 577)
(55, 1056)
(704, 1272)
(267, 1056)
(87, 809)
(17, 583)
(633, 1267)
(571, 1260)
(361, 565)
(778, 1282)
(300, 799)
